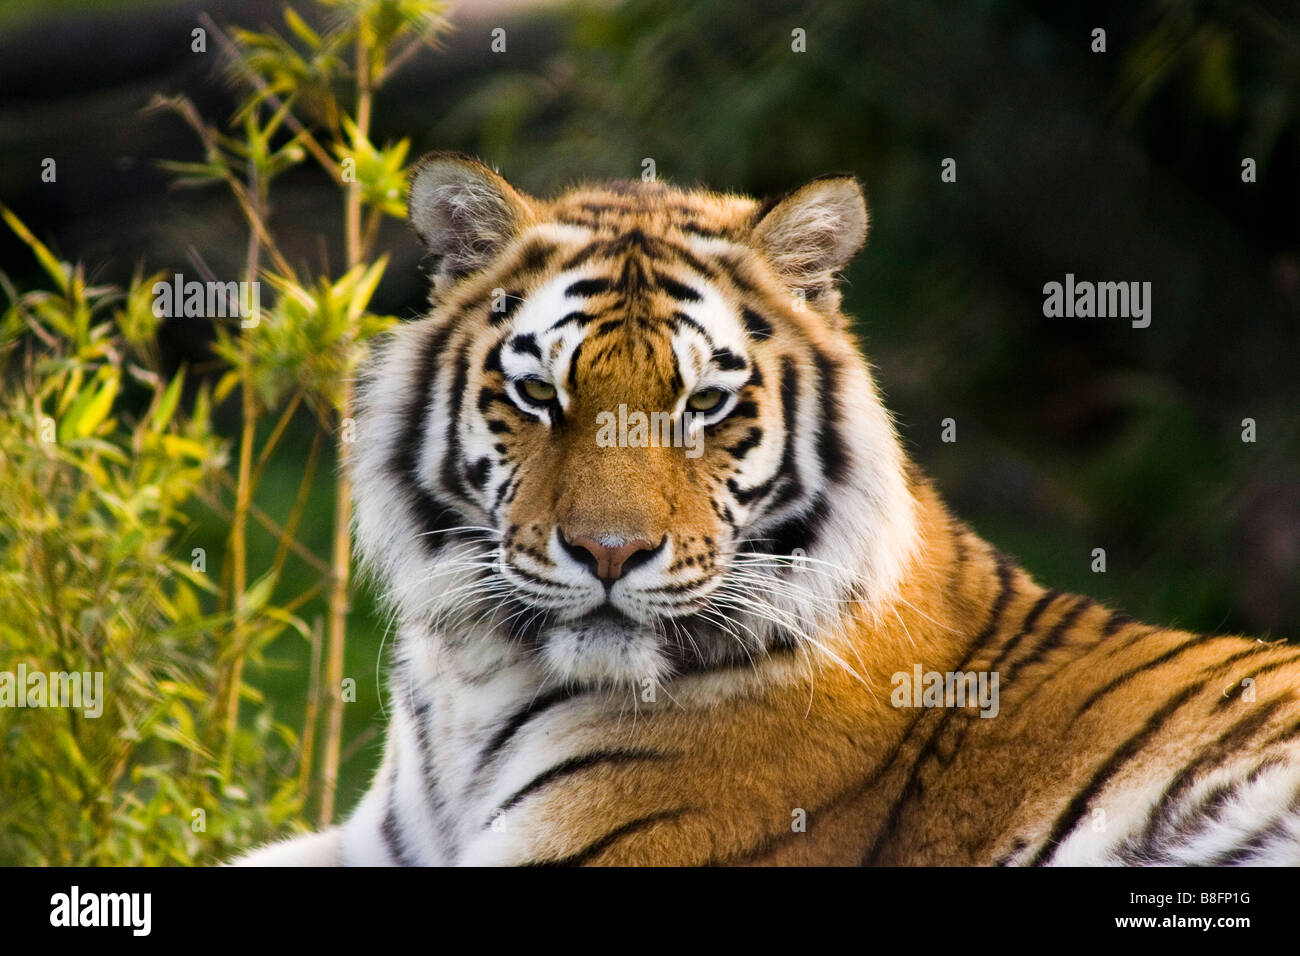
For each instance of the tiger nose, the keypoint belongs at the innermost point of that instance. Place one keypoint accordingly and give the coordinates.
(608, 562)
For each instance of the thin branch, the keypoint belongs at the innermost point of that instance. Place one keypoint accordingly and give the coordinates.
(266, 521)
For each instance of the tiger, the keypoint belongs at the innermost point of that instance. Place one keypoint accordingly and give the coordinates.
(623, 652)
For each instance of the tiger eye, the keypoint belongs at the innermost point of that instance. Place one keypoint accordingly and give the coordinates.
(706, 400)
(537, 390)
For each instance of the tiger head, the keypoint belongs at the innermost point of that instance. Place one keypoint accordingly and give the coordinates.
(634, 437)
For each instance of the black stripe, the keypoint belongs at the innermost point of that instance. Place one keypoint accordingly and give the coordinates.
(957, 575)
(1117, 620)
(678, 290)
(526, 344)
(573, 365)
(537, 579)
(586, 288)
(602, 207)
(587, 220)
(757, 326)
(831, 448)
(799, 531)
(502, 489)
(406, 458)
(430, 514)
(675, 250)
(1051, 640)
(391, 827)
(1119, 681)
(746, 444)
(571, 766)
(487, 396)
(518, 720)
(576, 317)
(1030, 622)
(1284, 735)
(612, 837)
(677, 588)
(1026, 627)
(681, 318)
(1210, 806)
(595, 247)
(1224, 701)
(789, 396)
(451, 471)
(1252, 651)
(1005, 569)
(513, 299)
(731, 269)
(1005, 573)
(1240, 854)
(492, 363)
(477, 473)
(1078, 806)
(728, 360)
(535, 256)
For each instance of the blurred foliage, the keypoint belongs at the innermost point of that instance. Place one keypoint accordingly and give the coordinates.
(91, 581)
(104, 457)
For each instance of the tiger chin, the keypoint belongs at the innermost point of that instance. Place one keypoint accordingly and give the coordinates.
(613, 652)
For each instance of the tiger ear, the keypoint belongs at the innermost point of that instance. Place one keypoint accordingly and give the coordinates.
(463, 212)
(809, 235)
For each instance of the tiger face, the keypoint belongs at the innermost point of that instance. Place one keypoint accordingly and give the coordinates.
(633, 438)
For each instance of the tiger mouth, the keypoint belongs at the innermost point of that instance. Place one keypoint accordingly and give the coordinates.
(607, 644)
(691, 643)
(606, 614)
(607, 621)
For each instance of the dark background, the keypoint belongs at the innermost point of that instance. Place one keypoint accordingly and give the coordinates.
(1073, 434)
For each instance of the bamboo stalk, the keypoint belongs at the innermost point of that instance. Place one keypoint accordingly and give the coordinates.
(308, 742)
(342, 548)
(266, 521)
(243, 498)
(296, 509)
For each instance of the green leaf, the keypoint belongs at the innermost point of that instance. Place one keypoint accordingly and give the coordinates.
(91, 406)
(162, 415)
(99, 407)
(57, 271)
(301, 29)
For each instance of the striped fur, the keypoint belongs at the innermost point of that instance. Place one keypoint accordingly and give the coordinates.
(727, 700)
